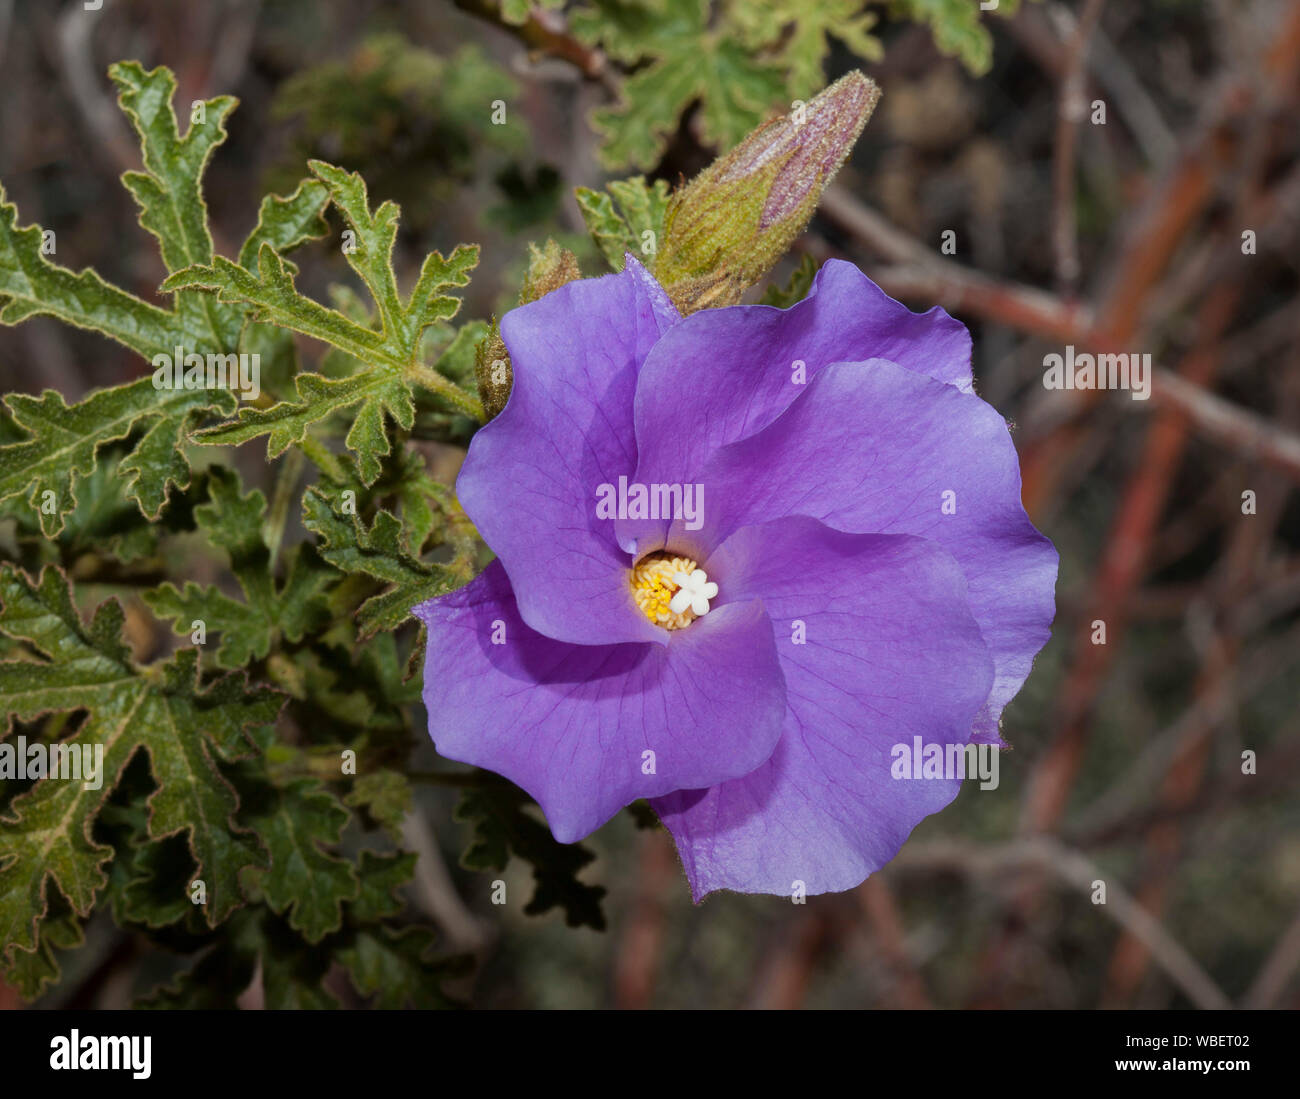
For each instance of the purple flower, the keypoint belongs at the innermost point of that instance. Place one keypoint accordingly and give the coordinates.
(869, 574)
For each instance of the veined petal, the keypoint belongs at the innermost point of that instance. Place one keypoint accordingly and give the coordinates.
(877, 647)
(873, 447)
(745, 364)
(531, 477)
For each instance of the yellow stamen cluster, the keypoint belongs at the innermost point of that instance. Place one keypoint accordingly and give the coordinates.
(653, 588)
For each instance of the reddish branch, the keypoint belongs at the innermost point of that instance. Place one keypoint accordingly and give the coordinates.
(877, 901)
(914, 272)
(1122, 567)
(546, 32)
(1239, 564)
(636, 965)
(1160, 228)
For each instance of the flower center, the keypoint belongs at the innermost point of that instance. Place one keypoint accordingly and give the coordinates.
(671, 591)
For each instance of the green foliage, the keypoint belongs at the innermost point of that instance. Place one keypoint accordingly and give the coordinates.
(218, 823)
(389, 357)
(742, 60)
(419, 124)
(518, 11)
(684, 58)
(185, 730)
(796, 289)
(64, 442)
(391, 964)
(234, 523)
(618, 219)
(502, 827)
(797, 35)
(245, 658)
(102, 525)
(61, 443)
(957, 28)
(298, 822)
(386, 796)
(379, 552)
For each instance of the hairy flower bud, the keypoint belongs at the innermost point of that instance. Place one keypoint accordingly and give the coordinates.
(549, 268)
(730, 224)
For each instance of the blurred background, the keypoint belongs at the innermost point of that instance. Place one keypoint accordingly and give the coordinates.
(1117, 177)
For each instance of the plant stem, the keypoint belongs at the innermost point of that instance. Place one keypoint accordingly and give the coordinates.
(323, 458)
(286, 481)
(451, 394)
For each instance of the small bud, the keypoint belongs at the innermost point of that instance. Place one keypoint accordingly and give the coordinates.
(733, 221)
(549, 268)
(492, 371)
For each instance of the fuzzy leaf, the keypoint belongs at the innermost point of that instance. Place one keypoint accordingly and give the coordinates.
(60, 443)
(641, 208)
(292, 970)
(392, 965)
(30, 972)
(379, 553)
(501, 827)
(168, 191)
(282, 224)
(234, 523)
(389, 355)
(31, 285)
(63, 444)
(142, 880)
(796, 289)
(102, 523)
(285, 223)
(184, 731)
(395, 968)
(797, 34)
(689, 58)
(386, 796)
(304, 883)
(380, 876)
(519, 11)
(956, 27)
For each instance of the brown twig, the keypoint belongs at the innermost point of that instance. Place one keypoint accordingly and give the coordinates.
(1214, 689)
(1071, 108)
(1243, 432)
(783, 981)
(1160, 228)
(915, 272)
(1277, 970)
(877, 901)
(1079, 872)
(546, 32)
(1121, 568)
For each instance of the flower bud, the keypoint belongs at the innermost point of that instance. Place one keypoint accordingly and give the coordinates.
(549, 268)
(732, 222)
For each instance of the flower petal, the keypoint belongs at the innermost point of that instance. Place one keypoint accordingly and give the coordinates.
(889, 652)
(739, 366)
(530, 479)
(874, 447)
(570, 723)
